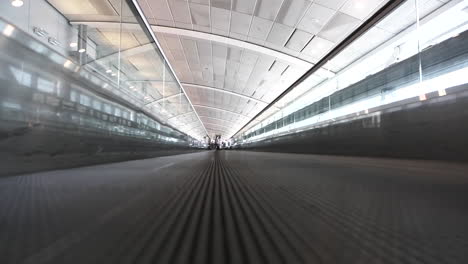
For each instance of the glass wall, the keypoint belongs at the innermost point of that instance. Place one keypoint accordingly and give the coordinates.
(108, 44)
(416, 53)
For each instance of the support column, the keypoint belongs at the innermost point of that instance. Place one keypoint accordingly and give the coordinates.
(82, 44)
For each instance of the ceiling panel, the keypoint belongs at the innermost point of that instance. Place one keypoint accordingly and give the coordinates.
(316, 17)
(267, 9)
(172, 42)
(333, 4)
(180, 11)
(234, 54)
(240, 23)
(298, 40)
(225, 4)
(200, 15)
(260, 28)
(159, 9)
(279, 34)
(243, 6)
(360, 9)
(339, 27)
(292, 11)
(317, 48)
(203, 2)
(190, 50)
(220, 19)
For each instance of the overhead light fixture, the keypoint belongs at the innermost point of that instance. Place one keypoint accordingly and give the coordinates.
(73, 45)
(8, 30)
(54, 41)
(17, 3)
(114, 74)
(67, 64)
(109, 71)
(40, 31)
(81, 50)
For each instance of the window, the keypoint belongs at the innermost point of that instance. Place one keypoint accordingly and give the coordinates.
(44, 85)
(85, 100)
(73, 96)
(21, 77)
(96, 104)
(107, 108)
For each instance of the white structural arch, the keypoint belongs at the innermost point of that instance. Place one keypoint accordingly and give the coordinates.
(203, 36)
(220, 109)
(197, 86)
(214, 118)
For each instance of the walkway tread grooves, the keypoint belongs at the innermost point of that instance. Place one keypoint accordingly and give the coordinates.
(213, 211)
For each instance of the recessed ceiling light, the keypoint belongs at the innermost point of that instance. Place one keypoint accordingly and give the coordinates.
(114, 74)
(17, 3)
(109, 71)
(81, 50)
(73, 45)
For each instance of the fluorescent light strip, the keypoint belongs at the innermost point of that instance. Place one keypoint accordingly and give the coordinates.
(148, 27)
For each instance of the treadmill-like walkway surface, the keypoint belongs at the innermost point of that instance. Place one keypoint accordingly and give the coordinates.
(238, 207)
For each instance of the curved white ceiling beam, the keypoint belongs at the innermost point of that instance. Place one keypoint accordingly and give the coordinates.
(165, 98)
(220, 109)
(213, 124)
(219, 130)
(214, 118)
(203, 36)
(223, 91)
(233, 42)
(179, 115)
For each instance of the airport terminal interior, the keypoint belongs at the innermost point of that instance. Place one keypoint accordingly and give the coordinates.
(233, 131)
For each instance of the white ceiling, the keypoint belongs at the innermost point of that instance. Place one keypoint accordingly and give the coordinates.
(227, 51)
(233, 57)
